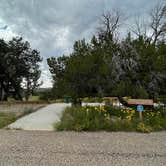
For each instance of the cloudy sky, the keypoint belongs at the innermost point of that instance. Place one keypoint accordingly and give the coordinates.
(51, 26)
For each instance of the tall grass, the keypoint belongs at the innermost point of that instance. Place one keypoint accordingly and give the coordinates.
(11, 112)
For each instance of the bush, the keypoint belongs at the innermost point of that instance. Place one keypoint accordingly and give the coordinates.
(161, 111)
(141, 127)
(89, 118)
(111, 118)
(156, 118)
(126, 113)
(82, 119)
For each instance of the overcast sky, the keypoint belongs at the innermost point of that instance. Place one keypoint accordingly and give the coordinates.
(51, 26)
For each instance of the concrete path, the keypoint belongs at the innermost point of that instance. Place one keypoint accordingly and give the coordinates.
(43, 119)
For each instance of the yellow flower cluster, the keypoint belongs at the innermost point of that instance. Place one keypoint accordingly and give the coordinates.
(100, 109)
(129, 112)
(149, 113)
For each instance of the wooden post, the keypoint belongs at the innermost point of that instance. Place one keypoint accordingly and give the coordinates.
(140, 115)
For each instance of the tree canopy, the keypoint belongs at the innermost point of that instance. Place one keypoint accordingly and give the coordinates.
(106, 66)
(19, 68)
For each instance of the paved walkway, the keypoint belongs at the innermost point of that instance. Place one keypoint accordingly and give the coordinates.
(43, 119)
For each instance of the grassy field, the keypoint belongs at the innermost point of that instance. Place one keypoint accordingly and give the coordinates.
(10, 112)
(34, 98)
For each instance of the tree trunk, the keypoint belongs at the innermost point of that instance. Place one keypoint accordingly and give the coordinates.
(1, 91)
(4, 92)
(27, 95)
(17, 89)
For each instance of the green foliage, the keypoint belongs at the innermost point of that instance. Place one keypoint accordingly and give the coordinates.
(19, 66)
(120, 125)
(90, 118)
(156, 118)
(82, 119)
(34, 98)
(6, 118)
(162, 99)
(161, 111)
(45, 95)
(110, 118)
(105, 67)
(141, 127)
(115, 111)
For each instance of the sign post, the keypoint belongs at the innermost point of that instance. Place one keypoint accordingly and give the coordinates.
(140, 108)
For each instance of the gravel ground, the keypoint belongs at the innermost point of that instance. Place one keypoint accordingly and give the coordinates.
(34, 148)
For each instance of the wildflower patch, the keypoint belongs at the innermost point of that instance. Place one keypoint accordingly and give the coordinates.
(111, 118)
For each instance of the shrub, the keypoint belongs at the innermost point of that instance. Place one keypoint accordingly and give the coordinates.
(89, 118)
(83, 118)
(156, 118)
(126, 113)
(141, 127)
(110, 118)
(161, 111)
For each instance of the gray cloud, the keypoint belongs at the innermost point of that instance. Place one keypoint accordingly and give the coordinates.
(53, 25)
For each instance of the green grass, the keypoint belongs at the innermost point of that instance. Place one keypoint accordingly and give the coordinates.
(7, 118)
(110, 118)
(34, 98)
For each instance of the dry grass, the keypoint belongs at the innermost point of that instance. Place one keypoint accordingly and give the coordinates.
(19, 108)
(11, 112)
